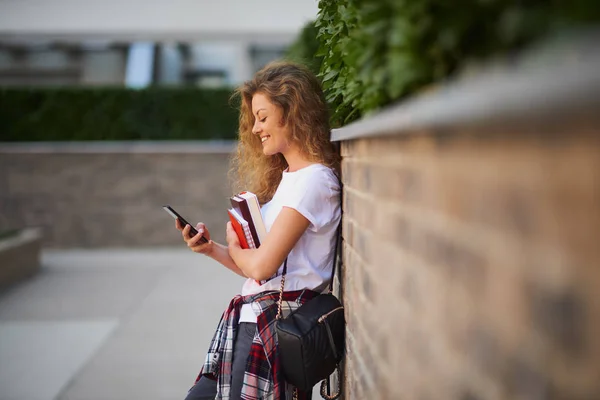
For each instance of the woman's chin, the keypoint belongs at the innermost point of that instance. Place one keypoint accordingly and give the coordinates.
(268, 152)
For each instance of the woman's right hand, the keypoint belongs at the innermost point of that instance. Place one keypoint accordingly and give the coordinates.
(193, 242)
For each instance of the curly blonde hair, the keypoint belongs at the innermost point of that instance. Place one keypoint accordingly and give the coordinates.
(298, 93)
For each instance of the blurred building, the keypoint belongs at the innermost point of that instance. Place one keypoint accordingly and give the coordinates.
(138, 43)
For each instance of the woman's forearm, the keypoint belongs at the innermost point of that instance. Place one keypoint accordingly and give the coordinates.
(249, 262)
(220, 254)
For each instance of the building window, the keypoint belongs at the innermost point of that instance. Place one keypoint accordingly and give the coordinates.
(213, 78)
(262, 55)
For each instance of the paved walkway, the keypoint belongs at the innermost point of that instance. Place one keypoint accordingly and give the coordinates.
(111, 324)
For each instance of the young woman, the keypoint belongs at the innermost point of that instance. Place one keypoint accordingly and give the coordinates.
(286, 158)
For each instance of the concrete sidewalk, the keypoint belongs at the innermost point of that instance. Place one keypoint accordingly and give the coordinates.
(111, 324)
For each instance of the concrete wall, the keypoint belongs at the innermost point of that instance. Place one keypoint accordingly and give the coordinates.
(471, 229)
(110, 195)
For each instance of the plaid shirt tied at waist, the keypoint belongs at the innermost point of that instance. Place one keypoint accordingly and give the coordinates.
(263, 378)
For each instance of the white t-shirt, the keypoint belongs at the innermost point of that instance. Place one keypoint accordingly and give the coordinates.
(314, 192)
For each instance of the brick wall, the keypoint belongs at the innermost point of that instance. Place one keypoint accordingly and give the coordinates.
(112, 198)
(472, 235)
(472, 264)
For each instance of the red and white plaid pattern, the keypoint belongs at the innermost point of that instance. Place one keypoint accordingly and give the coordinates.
(263, 378)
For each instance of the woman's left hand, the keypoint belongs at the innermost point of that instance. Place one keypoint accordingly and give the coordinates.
(232, 238)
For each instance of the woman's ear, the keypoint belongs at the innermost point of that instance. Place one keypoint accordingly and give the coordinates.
(283, 121)
(291, 138)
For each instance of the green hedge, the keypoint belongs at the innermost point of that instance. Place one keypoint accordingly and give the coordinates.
(5, 234)
(378, 51)
(64, 114)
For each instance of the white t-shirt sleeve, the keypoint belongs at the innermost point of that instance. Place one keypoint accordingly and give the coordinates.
(313, 196)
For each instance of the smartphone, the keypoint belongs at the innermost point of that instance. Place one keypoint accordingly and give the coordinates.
(175, 214)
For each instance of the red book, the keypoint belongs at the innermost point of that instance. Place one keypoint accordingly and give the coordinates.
(238, 228)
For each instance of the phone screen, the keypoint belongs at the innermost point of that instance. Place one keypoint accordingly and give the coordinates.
(184, 222)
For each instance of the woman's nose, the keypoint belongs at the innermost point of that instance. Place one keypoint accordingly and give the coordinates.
(255, 128)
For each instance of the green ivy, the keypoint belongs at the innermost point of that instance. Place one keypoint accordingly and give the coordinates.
(378, 51)
(63, 114)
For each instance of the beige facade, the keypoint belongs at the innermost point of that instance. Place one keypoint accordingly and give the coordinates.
(266, 21)
(59, 42)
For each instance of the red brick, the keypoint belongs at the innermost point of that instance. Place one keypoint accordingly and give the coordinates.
(470, 257)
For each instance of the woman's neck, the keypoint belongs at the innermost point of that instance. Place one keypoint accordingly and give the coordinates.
(295, 160)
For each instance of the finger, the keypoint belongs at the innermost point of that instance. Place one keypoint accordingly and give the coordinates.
(228, 230)
(186, 232)
(231, 237)
(178, 224)
(231, 233)
(193, 241)
(200, 227)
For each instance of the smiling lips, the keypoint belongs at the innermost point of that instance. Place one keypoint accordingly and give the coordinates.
(264, 138)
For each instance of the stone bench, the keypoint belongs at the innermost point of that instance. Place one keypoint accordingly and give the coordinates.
(19, 256)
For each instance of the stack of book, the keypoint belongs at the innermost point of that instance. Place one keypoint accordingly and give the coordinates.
(247, 220)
